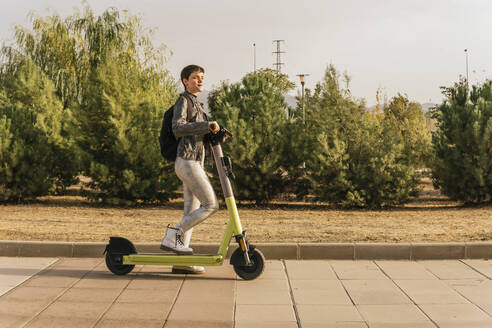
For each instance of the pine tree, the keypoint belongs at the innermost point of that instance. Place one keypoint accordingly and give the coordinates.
(113, 89)
(354, 159)
(256, 113)
(463, 143)
(407, 121)
(31, 139)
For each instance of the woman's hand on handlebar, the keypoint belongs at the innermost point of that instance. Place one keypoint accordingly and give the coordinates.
(213, 126)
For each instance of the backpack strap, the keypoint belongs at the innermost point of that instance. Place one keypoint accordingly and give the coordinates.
(190, 105)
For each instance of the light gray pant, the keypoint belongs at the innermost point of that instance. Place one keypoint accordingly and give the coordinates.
(199, 198)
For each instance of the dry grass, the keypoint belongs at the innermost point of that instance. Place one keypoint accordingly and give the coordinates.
(431, 217)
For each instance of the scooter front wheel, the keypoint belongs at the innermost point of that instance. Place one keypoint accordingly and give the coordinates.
(116, 268)
(250, 272)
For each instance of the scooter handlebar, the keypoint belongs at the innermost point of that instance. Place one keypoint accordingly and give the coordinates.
(219, 136)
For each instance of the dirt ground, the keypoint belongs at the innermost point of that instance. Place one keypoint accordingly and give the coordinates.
(430, 217)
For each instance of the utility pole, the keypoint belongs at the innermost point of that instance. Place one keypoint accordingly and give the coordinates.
(466, 55)
(278, 64)
(254, 56)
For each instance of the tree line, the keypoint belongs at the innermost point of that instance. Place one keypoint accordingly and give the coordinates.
(86, 94)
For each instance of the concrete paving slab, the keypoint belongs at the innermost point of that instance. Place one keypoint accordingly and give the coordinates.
(487, 307)
(198, 324)
(129, 323)
(135, 311)
(451, 270)
(273, 274)
(34, 294)
(376, 292)
(110, 281)
(147, 296)
(208, 297)
(279, 324)
(13, 320)
(427, 324)
(328, 313)
(25, 262)
(312, 269)
(344, 324)
(254, 292)
(78, 263)
(322, 297)
(46, 281)
(255, 296)
(203, 312)
(405, 270)
(91, 310)
(57, 322)
(13, 279)
(83, 295)
(274, 265)
(264, 313)
(273, 324)
(263, 284)
(157, 282)
(14, 271)
(430, 292)
(482, 266)
(455, 314)
(476, 291)
(395, 313)
(4, 289)
(21, 308)
(472, 324)
(329, 292)
(264, 302)
(206, 292)
(357, 270)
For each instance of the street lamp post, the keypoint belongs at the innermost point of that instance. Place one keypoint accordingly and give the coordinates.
(301, 78)
(466, 55)
(254, 56)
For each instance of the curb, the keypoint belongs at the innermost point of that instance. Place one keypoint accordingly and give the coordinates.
(273, 251)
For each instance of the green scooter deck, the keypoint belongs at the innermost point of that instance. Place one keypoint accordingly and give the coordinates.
(173, 259)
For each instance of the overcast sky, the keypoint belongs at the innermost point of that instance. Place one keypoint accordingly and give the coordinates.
(412, 47)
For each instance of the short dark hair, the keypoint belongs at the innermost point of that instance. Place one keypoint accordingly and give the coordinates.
(186, 72)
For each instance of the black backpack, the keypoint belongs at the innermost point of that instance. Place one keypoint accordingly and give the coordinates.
(167, 140)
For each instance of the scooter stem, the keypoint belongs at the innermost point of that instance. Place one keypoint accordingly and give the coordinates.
(224, 180)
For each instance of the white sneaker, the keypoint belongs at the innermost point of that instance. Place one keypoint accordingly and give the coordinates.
(173, 242)
(188, 269)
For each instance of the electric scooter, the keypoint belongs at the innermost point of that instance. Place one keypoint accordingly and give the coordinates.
(248, 261)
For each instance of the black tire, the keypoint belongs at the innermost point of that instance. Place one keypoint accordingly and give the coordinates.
(253, 271)
(118, 269)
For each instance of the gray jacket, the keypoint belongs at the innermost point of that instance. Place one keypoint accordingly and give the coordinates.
(190, 124)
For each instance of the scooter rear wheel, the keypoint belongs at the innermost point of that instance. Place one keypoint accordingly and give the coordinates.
(116, 268)
(255, 269)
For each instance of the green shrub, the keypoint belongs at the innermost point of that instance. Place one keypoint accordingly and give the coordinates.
(355, 158)
(256, 113)
(111, 83)
(118, 125)
(463, 143)
(35, 156)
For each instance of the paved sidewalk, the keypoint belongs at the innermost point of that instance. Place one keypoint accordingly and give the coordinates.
(76, 292)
